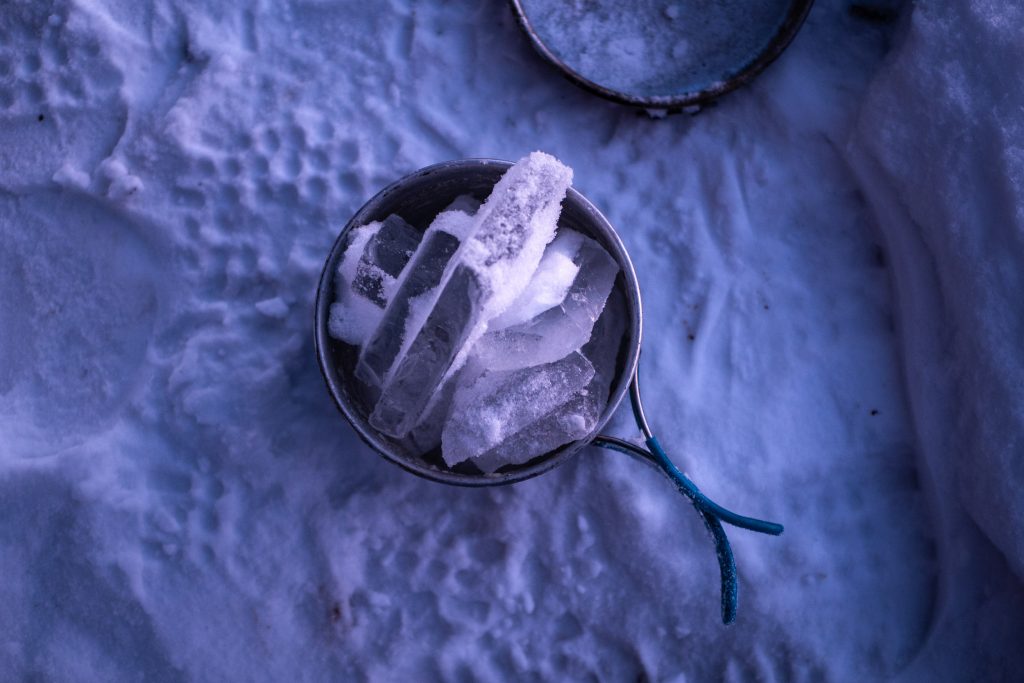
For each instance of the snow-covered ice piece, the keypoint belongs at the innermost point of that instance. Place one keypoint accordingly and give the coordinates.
(562, 328)
(383, 258)
(514, 225)
(353, 317)
(494, 265)
(576, 418)
(417, 284)
(366, 277)
(549, 284)
(500, 404)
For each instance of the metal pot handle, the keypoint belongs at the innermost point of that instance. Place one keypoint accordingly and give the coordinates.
(711, 512)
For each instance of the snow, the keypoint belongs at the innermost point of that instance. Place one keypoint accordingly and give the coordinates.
(829, 259)
(947, 186)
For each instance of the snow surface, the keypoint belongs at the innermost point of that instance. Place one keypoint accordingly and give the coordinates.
(179, 500)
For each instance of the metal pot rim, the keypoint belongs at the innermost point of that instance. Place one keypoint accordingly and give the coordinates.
(798, 12)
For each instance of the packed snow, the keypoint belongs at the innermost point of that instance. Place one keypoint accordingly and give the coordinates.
(830, 260)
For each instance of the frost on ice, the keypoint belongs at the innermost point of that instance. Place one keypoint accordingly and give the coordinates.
(484, 339)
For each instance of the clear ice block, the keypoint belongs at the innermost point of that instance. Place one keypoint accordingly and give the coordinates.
(419, 374)
(414, 292)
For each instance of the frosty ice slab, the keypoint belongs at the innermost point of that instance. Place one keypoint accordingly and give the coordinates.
(354, 316)
(500, 404)
(366, 278)
(504, 247)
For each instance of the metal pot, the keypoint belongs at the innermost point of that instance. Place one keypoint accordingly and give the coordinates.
(417, 198)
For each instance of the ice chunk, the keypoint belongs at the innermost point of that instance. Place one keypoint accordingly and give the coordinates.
(376, 254)
(420, 372)
(603, 348)
(426, 435)
(352, 317)
(561, 329)
(493, 266)
(383, 258)
(415, 291)
(500, 404)
(549, 284)
(514, 225)
(576, 418)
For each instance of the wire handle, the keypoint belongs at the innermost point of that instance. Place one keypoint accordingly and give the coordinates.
(710, 512)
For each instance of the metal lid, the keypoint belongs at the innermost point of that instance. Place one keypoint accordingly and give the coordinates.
(661, 54)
